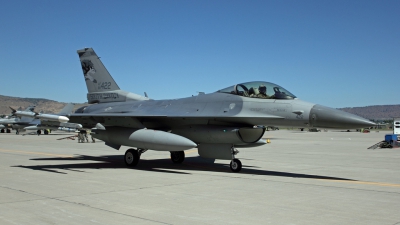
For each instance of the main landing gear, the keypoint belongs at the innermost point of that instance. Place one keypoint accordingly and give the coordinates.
(177, 157)
(132, 156)
(235, 164)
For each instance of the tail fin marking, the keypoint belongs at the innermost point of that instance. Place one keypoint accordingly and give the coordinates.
(100, 84)
(97, 78)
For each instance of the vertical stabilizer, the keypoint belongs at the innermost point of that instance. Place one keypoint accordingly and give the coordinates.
(67, 109)
(100, 84)
(96, 76)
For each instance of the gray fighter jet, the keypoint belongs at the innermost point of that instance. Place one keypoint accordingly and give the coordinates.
(29, 120)
(216, 123)
(7, 124)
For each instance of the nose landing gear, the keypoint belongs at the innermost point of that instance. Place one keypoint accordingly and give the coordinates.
(235, 164)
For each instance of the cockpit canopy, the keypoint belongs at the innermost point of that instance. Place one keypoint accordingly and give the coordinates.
(259, 89)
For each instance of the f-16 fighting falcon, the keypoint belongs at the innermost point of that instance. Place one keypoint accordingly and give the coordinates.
(215, 123)
(29, 120)
(8, 123)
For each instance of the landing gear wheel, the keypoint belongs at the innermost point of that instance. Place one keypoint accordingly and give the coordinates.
(38, 132)
(132, 157)
(2, 130)
(236, 165)
(46, 132)
(17, 132)
(8, 131)
(178, 157)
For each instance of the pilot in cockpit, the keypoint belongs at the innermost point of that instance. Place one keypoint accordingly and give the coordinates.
(262, 92)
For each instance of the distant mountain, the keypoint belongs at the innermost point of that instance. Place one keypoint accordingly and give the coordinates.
(45, 105)
(50, 106)
(375, 111)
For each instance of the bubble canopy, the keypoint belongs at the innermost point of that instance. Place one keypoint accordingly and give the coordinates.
(259, 89)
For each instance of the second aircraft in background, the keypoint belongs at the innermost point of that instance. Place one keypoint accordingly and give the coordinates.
(29, 120)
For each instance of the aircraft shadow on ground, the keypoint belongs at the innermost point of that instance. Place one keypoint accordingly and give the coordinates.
(158, 165)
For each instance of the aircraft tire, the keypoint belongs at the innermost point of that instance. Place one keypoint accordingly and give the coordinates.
(46, 132)
(39, 132)
(8, 131)
(2, 130)
(236, 165)
(132, 157)
(177, 157)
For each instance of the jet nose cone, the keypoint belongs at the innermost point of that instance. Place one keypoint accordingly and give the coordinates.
(325, 117)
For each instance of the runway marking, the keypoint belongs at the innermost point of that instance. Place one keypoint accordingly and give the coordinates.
(364, 182)
(36, 153)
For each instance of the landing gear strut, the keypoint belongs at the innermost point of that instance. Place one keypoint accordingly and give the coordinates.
(235, 164)
(178, 157)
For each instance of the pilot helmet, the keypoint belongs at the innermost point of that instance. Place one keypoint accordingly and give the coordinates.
(262, 88)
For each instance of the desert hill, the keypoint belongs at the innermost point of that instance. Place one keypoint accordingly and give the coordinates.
(42, 105)
(376, 112)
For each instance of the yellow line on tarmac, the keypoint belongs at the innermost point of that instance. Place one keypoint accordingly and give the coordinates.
(364, 182)
(36, 153)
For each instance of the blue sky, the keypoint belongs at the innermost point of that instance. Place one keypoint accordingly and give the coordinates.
(334, 53)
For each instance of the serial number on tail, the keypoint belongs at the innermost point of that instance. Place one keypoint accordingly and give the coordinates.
(103, 96)
(104, 85)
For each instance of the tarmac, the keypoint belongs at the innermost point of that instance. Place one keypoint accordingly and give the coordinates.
(299, 178)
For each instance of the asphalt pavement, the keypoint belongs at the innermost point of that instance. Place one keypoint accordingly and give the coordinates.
(299, 178)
